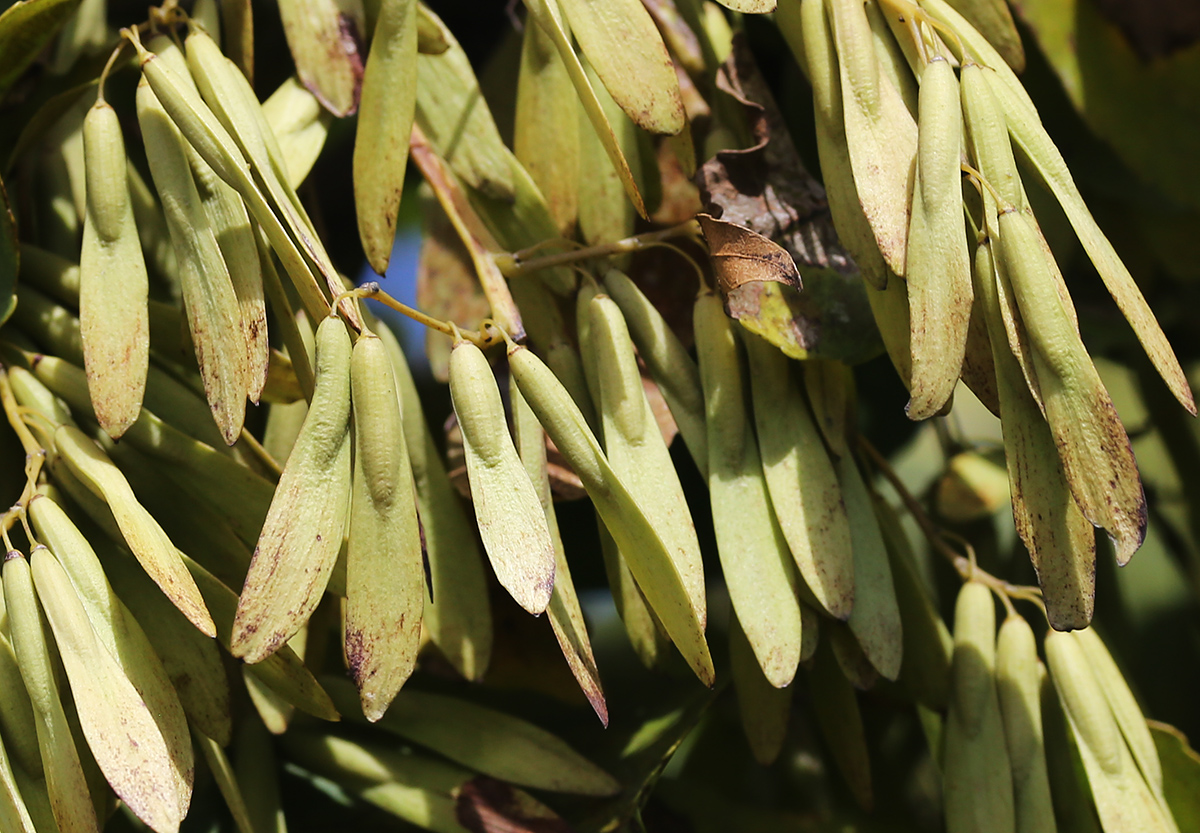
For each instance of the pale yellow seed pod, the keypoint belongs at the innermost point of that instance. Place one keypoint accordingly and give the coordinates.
(145, 538)
(977, 776)
(214, 316)
(457, 615)
(17, 721)
(113, 291)
(119, 727)
(117, 630)
(1096, 454)
(70, 801)
(385, 577)
(1124, 706)
(303, 531)
(1018, 684)
(1061, 542)
(564, 611)
(635, 536)
(987, 133)
(875, 618)
(758, 567)
(385, 116)
(510, 517)
(673, 370)
(801, 479)
(635, 447)
(1124, 801)
(881, 135)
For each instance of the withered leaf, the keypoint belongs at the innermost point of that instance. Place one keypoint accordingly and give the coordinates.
(766, 190)
(742, 256)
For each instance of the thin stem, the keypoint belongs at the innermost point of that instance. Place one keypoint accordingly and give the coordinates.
(480, 338)
(966, 566)
(112, 59)
(513, 266)
(35, 454)
(981, 181)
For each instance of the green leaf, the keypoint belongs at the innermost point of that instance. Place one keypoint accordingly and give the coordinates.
(1181, 774)
(25, 28)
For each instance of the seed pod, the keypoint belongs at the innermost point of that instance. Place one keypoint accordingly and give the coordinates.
(241, 495)
(564, 612)
(145, 538)
(1073, 805)
(546, 133)
(385, 116)
(118, 632)
(385, 577)
(881, 135)
(622, 43)
(1059, 538)
(1018, 684)
(304, 527)
(456, 120)
(764, 708)
(605, 211)
(1124, 801)
(510, 517)
(222, 771)
(636, 537)
(808, 31)
(236, 238)
(938, 268)
(300, 124)
(211, 139)
(547, 15)
(670, 366)
(14, 815)
(70, 800)
(17, 722)
(192, 661)
(925, 667)
(119, 727)
(214, 316)
(1096, 455)
(1124, 707)
(641, 625)
(635, 448)
(457, 611)
(114, 321)
(759, 569)
(875, 619)
(988, 135)
(1026, 128)
(836, 705)
(977, 779)
(801, 480)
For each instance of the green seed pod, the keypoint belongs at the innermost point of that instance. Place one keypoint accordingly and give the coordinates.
(385, 577)
(759, 569)
(635, 536)
(1018, 684)
(70, 800)
(303, 531)
(977, 776)
(507, 509)
(938, 269)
